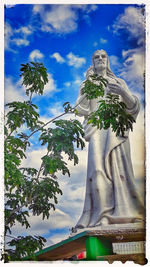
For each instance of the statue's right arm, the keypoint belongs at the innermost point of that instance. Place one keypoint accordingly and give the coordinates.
(82, 103)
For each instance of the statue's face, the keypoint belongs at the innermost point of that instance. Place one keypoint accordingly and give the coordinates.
(100, 60)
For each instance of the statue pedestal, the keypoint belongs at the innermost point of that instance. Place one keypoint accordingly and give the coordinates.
(130, 232)
(98, 244)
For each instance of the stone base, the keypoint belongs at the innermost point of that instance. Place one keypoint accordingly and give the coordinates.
(111, 227)
(116, 232)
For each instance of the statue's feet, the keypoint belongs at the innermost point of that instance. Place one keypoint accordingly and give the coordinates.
(76, 228)
(104, 221)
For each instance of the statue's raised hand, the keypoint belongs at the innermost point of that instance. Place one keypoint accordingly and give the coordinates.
(119, 87)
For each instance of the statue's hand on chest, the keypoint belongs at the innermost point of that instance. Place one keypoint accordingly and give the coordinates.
(116, 87)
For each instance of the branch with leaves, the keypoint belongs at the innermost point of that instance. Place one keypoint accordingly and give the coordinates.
(28, 190)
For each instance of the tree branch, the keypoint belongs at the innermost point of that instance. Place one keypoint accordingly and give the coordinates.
(53, 119)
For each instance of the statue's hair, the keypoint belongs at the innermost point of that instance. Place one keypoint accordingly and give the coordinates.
(91, 69)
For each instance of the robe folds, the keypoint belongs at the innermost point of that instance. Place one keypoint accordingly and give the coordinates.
(111, 195)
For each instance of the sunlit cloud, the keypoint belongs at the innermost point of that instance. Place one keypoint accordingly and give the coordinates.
(133, 69)
(61, 19)
(13, 91)
(115, 63)
(132, 21)
(26, 30)
(67, 84)
(58, 18)
(71, 59)
(8, 34)
(20, 42)
(75, 61)
(36, 54)
(58, 57)
(17, 36)
(51, 86)
(57, 220)
(55, 238)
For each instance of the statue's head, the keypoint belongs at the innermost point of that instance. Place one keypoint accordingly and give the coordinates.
(100, 55)
(100, 59)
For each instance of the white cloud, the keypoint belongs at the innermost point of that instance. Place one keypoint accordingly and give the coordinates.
(87, 8)
(57, 220)
(56, 110)
(58, 57)
(77, 81)
(114, 62)
(26, 30)
(74, 60)
(54, 239)
(37, 8)
(20, 42)
(61, 19)
(67, 84)
(132, 20)
(74, 84)
(91, 8)
(133, 68)
(36, 54)
(8, 34)
(103, 41)
(16, 36)
(50, 87)
(34, 157)
(134, 61)
(13, 91)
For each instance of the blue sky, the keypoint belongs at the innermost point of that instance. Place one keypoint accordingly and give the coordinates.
(64, 38)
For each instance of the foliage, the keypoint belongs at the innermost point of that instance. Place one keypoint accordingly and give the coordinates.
(22, 113)
(34, 76)
(111, 112)
(25, 246)
(93, 90)
(30, 191)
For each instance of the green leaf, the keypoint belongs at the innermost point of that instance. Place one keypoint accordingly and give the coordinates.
(34, 76)
(92, 90)
(112, 114)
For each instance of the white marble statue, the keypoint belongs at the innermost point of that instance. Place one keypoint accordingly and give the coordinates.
(111, 196)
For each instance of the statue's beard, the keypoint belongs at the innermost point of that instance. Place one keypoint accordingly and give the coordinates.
(100, 68)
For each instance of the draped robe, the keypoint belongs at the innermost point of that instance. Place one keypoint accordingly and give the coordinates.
(110, 189)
